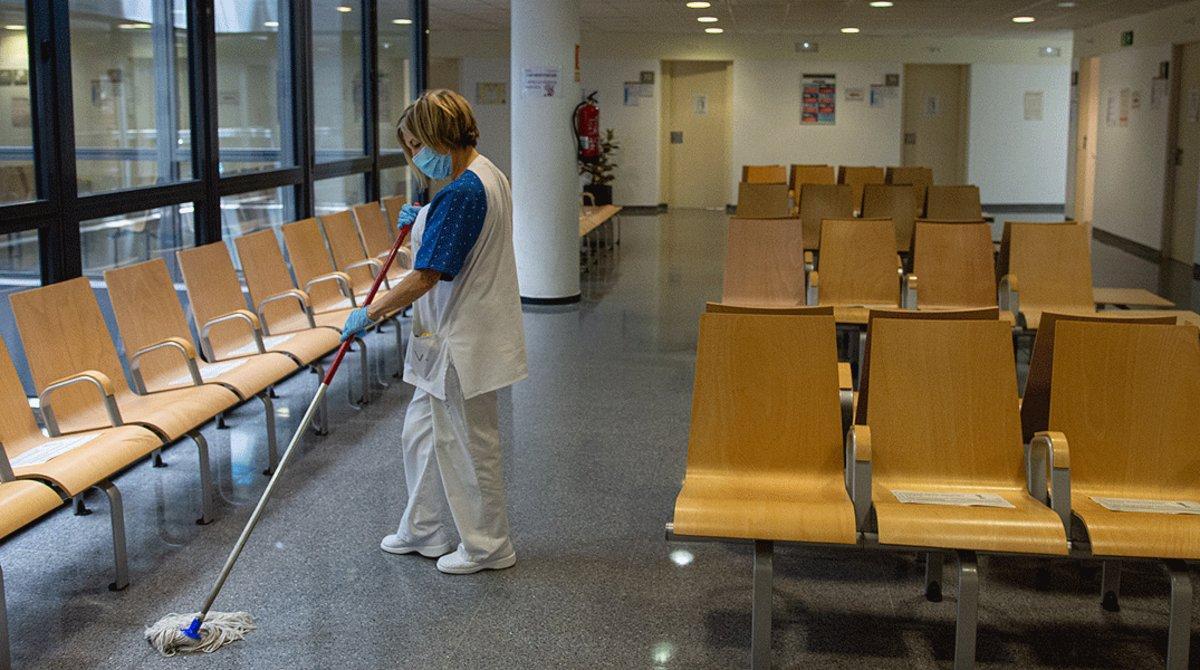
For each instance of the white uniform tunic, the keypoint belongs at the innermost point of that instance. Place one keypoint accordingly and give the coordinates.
(467, 341)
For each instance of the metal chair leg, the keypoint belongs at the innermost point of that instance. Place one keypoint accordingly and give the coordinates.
(116, 510)
(968, 611)
(760, 614)
(272, 443)
(1110, 586)
(933, 576)
(5, 655)
(320, 424)
(364, 372)
(157, 461)
(81, 508)
(206, 485)
(1180, 626)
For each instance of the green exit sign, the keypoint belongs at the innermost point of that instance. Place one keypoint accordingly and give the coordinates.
(1127, 38)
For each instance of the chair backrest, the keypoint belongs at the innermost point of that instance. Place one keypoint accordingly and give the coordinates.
(18, 429)
(391, 211)
(736, 427)
(823, 201)
(63, 332)
(310, 259)
(858, 263)
(1052, 264)
(959, 203)
(920, 178)
(148, 311)
(263, 267)
(763, 201)
(214, 290)
(764, 174)
(1035, 402)
(857, 178)
(1006, 240)
(726, 308)
(883, 201)
(373, 225)
(955, 265)
(811, 174)
(1128, 399)
(346, 247)
(764, 263)
(944, 405)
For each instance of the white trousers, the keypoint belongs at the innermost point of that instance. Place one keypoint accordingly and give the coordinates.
(453, 468)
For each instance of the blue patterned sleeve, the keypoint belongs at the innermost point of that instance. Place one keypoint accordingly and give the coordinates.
(452, 226)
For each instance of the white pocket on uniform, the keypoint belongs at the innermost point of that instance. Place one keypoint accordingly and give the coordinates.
(425, 353)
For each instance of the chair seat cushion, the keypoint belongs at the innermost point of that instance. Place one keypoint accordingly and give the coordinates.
(22, 503)
(105, 454)
(1137, 534)
(251, 376)
(766, 507)
(174, 413)
(305, 346)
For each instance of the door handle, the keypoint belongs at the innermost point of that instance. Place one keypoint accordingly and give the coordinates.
(910, 139)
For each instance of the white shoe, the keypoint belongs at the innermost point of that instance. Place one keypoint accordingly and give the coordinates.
(455, 564)
(393, 545)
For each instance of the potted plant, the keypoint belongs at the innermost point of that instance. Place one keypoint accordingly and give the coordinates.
(600, 171)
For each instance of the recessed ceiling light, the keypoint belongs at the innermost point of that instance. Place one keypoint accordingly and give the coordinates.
(850, 31)
(402, 22)
(345, 9)
(133, 26)
(1066, 5)
(1023, 19)
(270, 24)
(708, 19)
(14, 27)
(714, 31)
(881, 4)
(699, 5)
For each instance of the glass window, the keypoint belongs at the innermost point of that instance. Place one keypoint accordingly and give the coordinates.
(253, 90)
(339, 193)
(121, 240)
(17, 183)
(19, 270)
(246, 213)
(394, 181)
(338, 79)
(129, 76)
(395, 71)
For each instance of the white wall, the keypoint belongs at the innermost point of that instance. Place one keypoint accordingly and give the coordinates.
(636, 128)
(1014, 161)
(494, 131)
(1131, 160)
(766, 117)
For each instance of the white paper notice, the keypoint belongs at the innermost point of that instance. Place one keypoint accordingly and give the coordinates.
(211, 371)
(1034, 105)
(269, 342)
(1151, 506)
(953, 499)
(42, 453)
(539, 82)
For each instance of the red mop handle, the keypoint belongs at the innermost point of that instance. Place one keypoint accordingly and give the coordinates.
(337, 361)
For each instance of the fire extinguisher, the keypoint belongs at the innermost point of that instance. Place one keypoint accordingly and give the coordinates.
(587, 129)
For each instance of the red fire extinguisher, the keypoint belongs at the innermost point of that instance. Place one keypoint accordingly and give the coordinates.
(587, 129)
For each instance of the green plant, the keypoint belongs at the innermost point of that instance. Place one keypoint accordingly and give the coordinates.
(601, 171)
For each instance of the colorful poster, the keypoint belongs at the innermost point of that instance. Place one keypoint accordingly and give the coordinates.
(818, 99)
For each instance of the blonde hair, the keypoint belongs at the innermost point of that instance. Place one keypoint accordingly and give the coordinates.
(441, 120)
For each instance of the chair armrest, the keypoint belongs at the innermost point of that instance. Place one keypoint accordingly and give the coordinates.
(340, 278)
(1008, 298)
(291, 294)
(858, 473)
(179, 344)
(243, 315)
(812, 288)
(373, 265)
(1048, 454)
(908, 292)
(97, 379)
(589, 196)
(846, 395)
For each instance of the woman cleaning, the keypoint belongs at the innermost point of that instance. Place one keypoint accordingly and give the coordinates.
(467, 342)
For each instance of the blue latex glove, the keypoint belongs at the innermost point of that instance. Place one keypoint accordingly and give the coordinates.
(356, 324)
(408, 215)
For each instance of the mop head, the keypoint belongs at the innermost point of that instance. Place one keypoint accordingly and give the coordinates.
(177, 633)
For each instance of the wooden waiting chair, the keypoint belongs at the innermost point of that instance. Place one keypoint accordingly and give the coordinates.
(857, 178)
(943, 420)
(377, 239)
(953, 203)
(391, 209)
(164, 355)
(765, 469)
(764, 174)
(920, 178)
(763, 201)
(21, 504)
(82, 384)
(818, 202)
(280, 306)
(811, 174)
(764, 263)
(1047, 268)
(330, 290)
(858, 269)
(883, 201)
(1124, 414)
(953, 268)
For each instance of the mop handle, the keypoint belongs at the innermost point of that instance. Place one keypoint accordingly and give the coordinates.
(304, 423)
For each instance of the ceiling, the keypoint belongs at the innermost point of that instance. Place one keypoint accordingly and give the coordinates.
(803, 18)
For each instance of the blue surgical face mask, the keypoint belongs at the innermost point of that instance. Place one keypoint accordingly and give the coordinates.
(433, 164)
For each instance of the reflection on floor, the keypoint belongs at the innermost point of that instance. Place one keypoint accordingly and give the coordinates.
(595, 441)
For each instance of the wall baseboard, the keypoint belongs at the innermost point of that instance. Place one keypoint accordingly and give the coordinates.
(1026, 208)
(1127, 245)
(643, 210)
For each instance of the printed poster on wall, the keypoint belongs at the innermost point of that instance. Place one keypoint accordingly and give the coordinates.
(1034, 105)
(539, 82)
(1126, 100)
(818, 99)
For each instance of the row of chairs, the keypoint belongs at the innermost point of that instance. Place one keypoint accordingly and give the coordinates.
(933, 462)
(857, 177)
(99, 422)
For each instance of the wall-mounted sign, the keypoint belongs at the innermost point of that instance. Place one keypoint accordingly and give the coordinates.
(818, 99)
(1127, 38)
(1034, 105)
(539, 82)
(491, 92)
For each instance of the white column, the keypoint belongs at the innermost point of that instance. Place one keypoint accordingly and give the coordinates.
(545, 179)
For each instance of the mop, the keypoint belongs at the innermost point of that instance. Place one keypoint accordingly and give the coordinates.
(207, 631)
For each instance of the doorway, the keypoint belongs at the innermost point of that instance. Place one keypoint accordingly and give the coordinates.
(696, 133)
(935, 120)
(1088, 124)
(1184, 182)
